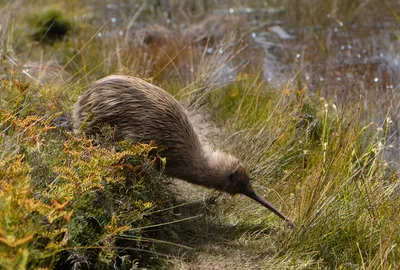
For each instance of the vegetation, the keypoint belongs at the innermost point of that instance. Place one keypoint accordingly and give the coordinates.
(50, 26)
(69, 201)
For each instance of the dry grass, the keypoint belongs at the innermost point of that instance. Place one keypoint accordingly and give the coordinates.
(319, 154)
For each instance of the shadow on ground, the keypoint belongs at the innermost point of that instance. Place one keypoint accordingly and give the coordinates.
(204, 233)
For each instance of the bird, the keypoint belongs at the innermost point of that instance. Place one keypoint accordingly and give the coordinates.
(142, 112)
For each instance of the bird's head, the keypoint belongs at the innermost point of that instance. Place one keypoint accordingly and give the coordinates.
(238, 182)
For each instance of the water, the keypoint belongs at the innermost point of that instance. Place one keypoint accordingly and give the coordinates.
(341, 49)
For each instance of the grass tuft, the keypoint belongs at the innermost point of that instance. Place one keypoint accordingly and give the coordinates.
(70, 201)
(50, 26)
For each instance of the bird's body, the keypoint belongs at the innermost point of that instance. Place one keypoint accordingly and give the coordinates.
(143, 112)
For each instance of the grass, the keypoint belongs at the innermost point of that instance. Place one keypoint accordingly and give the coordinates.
(61, 207)
(329, 168)
(76, 202)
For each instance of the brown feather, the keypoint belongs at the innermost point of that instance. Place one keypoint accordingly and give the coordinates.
(143, 112)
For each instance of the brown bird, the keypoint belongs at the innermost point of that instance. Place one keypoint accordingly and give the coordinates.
(143, 112)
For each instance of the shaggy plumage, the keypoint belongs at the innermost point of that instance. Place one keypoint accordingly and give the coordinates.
(143, 112)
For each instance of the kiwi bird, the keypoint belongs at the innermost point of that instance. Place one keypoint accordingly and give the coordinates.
(143, 112)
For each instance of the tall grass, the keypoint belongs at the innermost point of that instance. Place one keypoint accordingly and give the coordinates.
(70, 201)
(323, 166)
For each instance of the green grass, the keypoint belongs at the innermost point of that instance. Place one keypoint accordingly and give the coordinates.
(326, 172)
(68, 201)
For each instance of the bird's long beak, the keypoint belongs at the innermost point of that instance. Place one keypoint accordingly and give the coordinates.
(251, 194)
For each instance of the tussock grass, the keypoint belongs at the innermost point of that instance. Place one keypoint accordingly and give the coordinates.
(323, 166)
(68, 201)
